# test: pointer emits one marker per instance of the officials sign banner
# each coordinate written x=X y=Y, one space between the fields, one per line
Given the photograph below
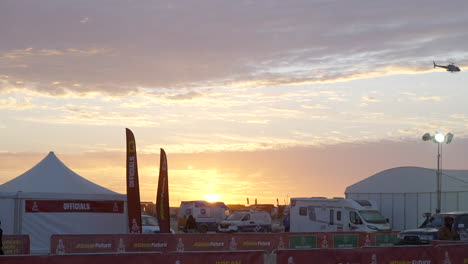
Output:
x=73 y=206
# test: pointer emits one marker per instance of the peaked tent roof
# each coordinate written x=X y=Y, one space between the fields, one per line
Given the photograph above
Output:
x=52 y=176
x=411 y=180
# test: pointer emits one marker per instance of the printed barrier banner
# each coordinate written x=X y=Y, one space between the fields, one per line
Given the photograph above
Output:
x=61 y=244
x=24 y=259
x=451 y=253
x=88 y=259
x=398 y=255
x=232 y=257
x=340 y=239
x=319 y=256
x=65 y=244
x=15 y=244
x=255 y=241
x=443 y=242
x=69 y=244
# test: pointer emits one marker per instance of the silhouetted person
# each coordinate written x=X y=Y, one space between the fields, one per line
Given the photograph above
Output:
x=191 y=224
x=286 y=223
x=1 y=243
x=446 y=231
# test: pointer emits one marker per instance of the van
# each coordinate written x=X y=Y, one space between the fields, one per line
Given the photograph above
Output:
x=207 y=215
x=320 y=214
x=150 y=224
x=246 y=221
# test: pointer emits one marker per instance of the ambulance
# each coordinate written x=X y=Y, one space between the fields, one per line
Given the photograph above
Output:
x=207 y=215
x=320 y=214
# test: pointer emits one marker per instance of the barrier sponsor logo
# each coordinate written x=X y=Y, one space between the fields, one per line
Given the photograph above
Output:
x=345 y=241
x=301 y=242
x=257 y=243
x=15 y=244
x=208 y=244
x=385 y=239
x=150 y=245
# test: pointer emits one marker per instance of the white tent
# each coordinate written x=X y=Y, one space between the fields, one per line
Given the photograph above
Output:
x=406 y=193
x=52 y=199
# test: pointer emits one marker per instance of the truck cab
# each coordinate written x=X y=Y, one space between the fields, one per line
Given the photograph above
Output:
x=429 y=229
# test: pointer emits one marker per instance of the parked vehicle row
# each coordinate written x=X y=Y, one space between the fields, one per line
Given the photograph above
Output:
x=319 y=214
x=315 y=214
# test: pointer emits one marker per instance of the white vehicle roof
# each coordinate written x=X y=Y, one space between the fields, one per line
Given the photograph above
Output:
x=201 y=203
x=341 y=202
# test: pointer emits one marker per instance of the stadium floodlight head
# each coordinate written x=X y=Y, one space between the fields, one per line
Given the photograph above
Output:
x=439 y=137
x=426 y=137
x=449 y=138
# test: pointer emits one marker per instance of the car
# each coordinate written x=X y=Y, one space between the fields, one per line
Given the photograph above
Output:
x=246 y=221
x=429 y=230
x=150 y=225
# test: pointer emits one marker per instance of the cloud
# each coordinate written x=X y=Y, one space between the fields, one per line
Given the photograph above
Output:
x=31 y=52
x=14 y=104
x=430 y=98
x=316 y=106
x=370 y=99
x=185 y=96
x=207 y=44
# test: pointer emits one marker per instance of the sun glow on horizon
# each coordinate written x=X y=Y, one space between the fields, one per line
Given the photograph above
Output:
x=212 y=197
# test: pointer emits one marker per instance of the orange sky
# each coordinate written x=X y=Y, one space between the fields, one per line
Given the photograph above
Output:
x=258 y=99
x=265 y=175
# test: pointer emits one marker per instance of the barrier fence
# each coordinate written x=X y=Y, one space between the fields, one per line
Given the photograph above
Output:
x=441 y=253
x=232 y=257
x=15 y=244
x=64 y=244
x=231 y=249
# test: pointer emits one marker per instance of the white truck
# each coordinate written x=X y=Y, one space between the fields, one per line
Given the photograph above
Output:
x=207 y=215
x=320 y=214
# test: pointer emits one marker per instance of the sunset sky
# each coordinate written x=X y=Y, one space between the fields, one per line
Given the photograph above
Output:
x=259 y=99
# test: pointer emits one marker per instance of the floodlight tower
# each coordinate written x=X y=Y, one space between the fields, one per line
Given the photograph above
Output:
x=438 y=138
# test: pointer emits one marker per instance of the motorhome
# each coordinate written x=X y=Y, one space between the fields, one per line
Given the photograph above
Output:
x=207 y=215
x=320 y=214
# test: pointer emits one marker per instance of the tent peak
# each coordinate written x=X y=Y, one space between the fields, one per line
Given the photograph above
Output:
x=51 y=175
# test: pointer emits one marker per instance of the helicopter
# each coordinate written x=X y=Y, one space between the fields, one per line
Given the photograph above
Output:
x=451 y=67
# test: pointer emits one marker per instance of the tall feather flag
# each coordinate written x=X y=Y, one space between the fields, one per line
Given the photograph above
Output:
x=133 y=188
x=162 y=196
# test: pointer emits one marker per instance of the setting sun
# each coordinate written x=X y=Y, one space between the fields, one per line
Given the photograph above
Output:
x=212 y=197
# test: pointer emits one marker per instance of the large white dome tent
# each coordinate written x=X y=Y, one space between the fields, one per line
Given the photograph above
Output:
x=406 y=193
x=52 y=199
